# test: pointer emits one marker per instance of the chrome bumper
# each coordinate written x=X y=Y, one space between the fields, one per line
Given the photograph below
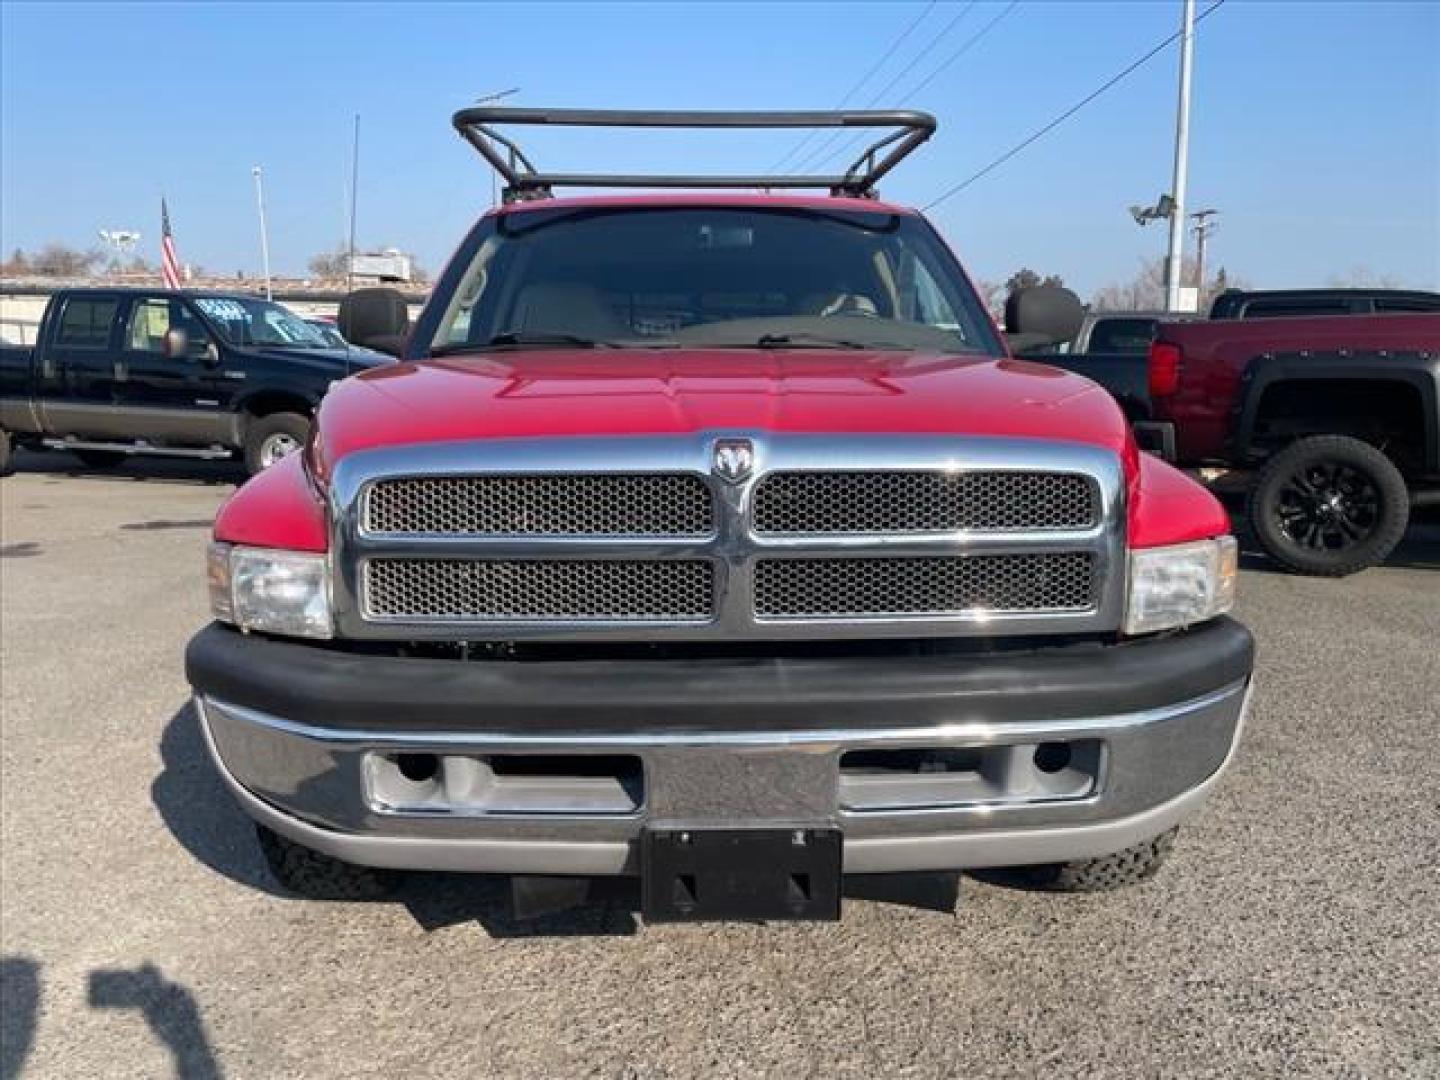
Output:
x=1131 y=776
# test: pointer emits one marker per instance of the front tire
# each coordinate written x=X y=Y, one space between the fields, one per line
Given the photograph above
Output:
x=1329 y=505
x=4 y=452
x=270 y=438
x=319 y=877
x=1128 y=867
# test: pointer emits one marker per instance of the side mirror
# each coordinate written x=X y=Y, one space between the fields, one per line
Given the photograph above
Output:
x=177 y=343
x=1041 y=316
x=389 y=344
x=210 y=355
x=375 y=318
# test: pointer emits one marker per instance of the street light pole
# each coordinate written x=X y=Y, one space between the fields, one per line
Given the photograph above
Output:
x=1182 y=155
x=264 y=232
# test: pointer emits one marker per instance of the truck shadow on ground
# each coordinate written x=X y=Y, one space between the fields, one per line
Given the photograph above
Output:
x=1419 y=550
x=198 y=810
x=137 y=468
x=203 y=818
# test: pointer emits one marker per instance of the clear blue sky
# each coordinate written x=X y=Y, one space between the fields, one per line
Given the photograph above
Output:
x=1316 y=125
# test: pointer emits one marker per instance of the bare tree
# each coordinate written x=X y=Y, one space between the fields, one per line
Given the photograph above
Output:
x=1146 y=290
x=329 y=265
x=58 y=260
x=992 y=295
x=1362 y=277
x=1025 y=278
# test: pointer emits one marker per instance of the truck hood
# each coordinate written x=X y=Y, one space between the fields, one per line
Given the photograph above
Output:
x=560 y=393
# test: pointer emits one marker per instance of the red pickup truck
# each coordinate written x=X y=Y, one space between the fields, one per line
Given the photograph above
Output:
x=715 y=539
x=1339 y=417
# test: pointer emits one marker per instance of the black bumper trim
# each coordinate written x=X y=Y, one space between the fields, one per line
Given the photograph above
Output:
x=330 y=689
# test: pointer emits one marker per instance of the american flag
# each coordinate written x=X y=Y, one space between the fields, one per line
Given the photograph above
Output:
x=169 y=263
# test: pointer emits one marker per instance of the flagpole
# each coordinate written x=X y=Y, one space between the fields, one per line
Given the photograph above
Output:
x=264 y=232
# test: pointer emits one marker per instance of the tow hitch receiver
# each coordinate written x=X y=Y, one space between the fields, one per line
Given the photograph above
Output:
x=697 y=874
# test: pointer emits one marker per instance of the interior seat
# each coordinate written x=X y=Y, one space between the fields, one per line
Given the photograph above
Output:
x=567 y=308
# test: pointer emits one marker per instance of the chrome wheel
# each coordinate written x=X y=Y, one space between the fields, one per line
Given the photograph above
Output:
x=277 y=446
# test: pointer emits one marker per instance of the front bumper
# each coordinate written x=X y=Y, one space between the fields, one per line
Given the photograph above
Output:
x=321 y=746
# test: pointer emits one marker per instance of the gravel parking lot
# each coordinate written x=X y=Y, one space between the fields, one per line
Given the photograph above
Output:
x=1295 y=932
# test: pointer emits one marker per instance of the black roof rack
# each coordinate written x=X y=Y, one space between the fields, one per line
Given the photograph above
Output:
x=524 y=181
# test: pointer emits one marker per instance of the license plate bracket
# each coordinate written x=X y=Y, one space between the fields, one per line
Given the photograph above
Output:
x=704 y=873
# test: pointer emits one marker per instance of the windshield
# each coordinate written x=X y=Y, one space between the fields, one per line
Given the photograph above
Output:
x=713 y=277
x=242 y=321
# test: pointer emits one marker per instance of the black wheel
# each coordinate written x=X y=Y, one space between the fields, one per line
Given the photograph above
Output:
x=270 y=438
x=4 y=452
x=1128 y=867
x=1329 y=505
x=99 y=459
x=319 y=877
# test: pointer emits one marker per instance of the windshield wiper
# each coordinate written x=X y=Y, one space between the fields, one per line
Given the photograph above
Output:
x=803 y=340
x=520 y=339
x=547 y=337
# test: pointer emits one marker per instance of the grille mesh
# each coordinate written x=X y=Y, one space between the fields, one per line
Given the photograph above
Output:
x=637 y=504
x=520 y=590
x=798 y=503
x=858 y=588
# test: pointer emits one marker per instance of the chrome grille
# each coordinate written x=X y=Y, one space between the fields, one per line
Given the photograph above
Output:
x=831 y=503
x=522 y=590
x=656 y=504
x=867 y=588
x=641 y=539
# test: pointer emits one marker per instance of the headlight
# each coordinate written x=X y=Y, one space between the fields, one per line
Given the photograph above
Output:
x=1179 y=585
x=280 y=592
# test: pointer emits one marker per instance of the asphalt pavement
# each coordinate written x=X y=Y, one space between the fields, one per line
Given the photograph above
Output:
x=1296 y=931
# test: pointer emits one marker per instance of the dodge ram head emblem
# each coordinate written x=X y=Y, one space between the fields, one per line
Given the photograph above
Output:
x=733 y=460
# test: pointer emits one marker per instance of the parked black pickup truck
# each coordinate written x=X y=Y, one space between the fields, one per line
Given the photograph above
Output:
x=125 y=371
x=1050 y=326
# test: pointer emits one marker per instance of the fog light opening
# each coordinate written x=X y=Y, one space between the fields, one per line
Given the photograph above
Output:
x=1052 y=757
x=417 y=768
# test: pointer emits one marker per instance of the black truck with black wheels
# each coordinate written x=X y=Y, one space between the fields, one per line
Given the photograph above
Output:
x=118 y=372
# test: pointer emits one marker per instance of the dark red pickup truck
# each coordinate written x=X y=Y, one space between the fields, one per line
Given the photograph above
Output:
x=1340 y=416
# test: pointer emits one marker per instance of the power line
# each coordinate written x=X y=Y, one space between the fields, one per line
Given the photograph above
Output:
x=854 y=89
x=1053 y=124
x=963 y=49
x=823 y=151
x=970 y=43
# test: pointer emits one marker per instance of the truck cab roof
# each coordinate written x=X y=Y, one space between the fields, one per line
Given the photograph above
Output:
x=1298 y=303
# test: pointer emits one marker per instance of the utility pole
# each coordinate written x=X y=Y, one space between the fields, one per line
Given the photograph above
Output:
x=1203 y=227
x=354 y=199
x=264 y=232
x=1182 y=156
